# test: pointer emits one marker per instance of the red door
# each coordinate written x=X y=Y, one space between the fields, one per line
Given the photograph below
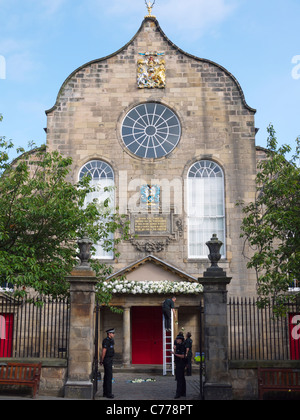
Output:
x=147 y=344
x=6 y=334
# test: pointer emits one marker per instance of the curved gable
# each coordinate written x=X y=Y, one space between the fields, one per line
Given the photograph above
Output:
x=209 y=77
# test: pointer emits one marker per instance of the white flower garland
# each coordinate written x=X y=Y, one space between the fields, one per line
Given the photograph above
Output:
x=150 y=287
x=6 y=289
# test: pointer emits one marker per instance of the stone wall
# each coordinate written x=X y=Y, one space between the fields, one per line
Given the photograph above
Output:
x=53 y=378
x=244 y=384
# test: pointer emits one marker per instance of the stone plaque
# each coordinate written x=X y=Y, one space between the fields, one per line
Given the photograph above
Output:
x=154 y=232
x=151 y=224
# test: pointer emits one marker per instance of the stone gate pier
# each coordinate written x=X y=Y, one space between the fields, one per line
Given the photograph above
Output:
x=81 y=336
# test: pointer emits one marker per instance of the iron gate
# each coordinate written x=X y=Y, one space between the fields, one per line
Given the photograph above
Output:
x=201 y=348
x=96 y=375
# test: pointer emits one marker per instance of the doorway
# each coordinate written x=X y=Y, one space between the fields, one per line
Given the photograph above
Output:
x=147 y=343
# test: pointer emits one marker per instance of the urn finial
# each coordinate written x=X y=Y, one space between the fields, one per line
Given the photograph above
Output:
x=84 y=250
x=214 y=246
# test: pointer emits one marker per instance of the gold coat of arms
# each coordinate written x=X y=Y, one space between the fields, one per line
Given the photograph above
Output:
x=151 y=71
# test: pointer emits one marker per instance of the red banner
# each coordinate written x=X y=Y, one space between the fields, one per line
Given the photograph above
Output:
x=294 y=331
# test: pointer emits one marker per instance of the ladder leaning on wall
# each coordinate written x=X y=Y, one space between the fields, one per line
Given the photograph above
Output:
x=168 y=342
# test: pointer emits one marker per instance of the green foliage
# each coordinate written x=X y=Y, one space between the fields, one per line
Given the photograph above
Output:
x=272 y=223
x=42 y=216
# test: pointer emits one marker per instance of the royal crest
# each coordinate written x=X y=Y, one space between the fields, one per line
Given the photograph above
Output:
x=150 y=195
x=151 y=71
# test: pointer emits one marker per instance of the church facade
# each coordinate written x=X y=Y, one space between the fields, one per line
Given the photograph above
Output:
x=174 y=135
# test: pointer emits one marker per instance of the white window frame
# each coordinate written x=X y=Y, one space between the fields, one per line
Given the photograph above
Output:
x=104 y=178
x=198 y=169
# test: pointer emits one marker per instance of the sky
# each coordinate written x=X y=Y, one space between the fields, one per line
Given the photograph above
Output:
x=43 y=41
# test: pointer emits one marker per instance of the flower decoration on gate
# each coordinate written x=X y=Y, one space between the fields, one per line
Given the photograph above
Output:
x=151 y=287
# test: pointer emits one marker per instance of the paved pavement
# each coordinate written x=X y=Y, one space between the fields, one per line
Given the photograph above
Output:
x=164 y=387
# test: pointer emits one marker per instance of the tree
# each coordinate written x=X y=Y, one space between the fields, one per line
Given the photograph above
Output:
x=42 y=216
x=272 y=223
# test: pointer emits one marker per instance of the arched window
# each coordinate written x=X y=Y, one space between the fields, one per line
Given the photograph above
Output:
x=102 y=176
x=206 y=209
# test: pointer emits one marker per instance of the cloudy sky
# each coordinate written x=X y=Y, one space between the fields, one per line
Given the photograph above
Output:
x=43 y=41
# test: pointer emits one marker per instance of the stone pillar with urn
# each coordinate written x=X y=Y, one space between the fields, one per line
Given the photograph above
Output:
x=81 y=335
x=215 y=281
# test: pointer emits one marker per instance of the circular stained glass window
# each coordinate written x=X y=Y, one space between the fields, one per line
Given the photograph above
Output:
x=151 y=131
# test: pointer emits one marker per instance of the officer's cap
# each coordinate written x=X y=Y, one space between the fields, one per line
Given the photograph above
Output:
x=111 y=330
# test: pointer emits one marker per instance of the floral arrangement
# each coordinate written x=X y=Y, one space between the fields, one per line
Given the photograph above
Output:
x=150 y=287
x=6 y=289
x=139 y=381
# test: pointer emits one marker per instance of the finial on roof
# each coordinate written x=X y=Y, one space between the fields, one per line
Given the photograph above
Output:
x=150 y=7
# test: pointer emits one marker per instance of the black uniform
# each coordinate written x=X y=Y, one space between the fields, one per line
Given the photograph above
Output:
x=188 y=344
x=167 y=306
x=108 y=344
x=179 y=372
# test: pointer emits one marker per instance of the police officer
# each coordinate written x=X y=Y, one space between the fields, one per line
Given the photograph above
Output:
x=188 y=345
x=106 y=360
x=180 y=362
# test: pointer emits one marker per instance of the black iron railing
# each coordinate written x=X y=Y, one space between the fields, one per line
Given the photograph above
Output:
x=35 y=328
x=257 y=334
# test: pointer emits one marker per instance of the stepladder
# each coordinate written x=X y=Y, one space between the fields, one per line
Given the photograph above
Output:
x=168 y=343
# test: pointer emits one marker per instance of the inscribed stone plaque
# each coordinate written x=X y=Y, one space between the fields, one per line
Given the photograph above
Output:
x=151 y=224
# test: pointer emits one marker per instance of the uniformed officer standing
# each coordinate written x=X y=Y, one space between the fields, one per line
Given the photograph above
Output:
x=106 y=359
x=180 y=362
x=188 y=345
